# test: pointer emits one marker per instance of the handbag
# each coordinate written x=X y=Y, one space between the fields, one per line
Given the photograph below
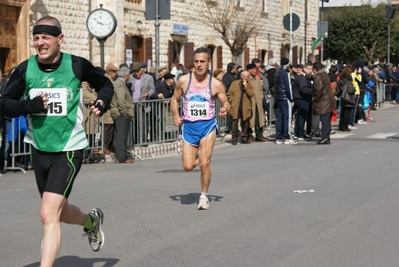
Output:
x=347 y=98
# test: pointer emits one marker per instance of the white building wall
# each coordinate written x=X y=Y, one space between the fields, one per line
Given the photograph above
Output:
x=73 y=13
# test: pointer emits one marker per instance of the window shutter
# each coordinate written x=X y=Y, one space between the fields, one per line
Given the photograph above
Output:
x=188 y=53
x=148 y=49
x=219 y=50
x=295 y=55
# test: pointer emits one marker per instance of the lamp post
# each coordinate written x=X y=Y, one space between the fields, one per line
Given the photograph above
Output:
x=322 y=29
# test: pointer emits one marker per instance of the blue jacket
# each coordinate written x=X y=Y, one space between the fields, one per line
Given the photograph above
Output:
x=302 y=88
x=282 y=86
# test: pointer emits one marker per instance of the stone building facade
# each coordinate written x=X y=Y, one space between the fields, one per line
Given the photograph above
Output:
x=135 y=36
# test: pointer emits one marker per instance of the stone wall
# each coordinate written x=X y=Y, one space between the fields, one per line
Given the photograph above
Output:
x=73 y=13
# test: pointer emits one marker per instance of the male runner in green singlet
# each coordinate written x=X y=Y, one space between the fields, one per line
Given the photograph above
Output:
x=50 y=83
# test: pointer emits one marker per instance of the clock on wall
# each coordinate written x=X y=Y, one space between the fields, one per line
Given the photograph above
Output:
x=101 y=23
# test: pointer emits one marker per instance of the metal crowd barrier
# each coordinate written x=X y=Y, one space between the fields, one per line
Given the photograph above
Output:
x=19 y=152
x=152 y=124
x=94 y=128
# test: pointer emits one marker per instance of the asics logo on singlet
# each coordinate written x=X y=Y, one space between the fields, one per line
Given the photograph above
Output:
x=53 y=95
x=47 y=79
x=198 y=105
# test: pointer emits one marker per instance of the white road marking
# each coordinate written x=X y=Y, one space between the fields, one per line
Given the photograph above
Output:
x=381 y=135
x=340 y=135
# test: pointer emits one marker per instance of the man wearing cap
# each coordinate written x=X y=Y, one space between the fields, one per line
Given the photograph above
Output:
x=122 y=114
x=111 y=71
x=142 y=83
x=257 y=121
x=108 y=145
x=163 y=90
x=284 y=102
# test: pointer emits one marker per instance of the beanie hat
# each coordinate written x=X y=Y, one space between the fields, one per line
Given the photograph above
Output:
x=251 y=66
x=284 y=62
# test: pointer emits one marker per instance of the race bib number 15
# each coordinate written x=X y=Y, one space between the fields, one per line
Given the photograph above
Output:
x=57 y=104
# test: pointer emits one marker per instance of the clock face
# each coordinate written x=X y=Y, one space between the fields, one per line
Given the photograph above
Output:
x=101 y=23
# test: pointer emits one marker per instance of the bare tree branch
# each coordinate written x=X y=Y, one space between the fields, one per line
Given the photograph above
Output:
x=234 y=24
x=370 y=52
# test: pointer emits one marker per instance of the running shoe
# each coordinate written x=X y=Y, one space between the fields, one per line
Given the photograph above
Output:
x=290 y=142
x=279 y=142
x=96 y=235
x=203 y=203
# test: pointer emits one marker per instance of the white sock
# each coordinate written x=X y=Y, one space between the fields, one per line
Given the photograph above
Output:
x=204 y=194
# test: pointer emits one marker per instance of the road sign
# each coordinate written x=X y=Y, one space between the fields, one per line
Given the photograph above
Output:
x=295 y=22
x=163 y=9
x=322 y=29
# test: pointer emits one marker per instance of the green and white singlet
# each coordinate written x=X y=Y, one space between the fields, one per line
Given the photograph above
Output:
x=61 y=128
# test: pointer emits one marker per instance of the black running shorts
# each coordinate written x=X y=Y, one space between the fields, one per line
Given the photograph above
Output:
x=56 y=171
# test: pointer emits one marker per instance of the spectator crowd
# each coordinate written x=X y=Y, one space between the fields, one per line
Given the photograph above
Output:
x=304 y=97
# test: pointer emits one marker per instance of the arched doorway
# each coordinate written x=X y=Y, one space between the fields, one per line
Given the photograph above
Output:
x=213 y=65
x=285 y=50
x=176 y=52
x=136 y=44
x=262 y=56
x=8 y=37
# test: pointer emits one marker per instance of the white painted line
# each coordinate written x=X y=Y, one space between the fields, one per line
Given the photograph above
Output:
x=381 y=135
x=340 y=135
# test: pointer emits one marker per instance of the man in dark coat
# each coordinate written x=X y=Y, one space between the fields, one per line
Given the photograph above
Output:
x=302 y=90
x=163 y=90
x=227 y=79
x=323 y=101
x=283 y=102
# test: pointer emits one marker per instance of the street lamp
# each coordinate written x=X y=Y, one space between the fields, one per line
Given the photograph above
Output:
x=322 y=29
x=373 y=3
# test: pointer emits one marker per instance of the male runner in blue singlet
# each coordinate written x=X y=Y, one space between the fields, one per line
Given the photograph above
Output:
x=199 y=126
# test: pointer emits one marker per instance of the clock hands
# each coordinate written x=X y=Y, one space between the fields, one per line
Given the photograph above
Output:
x=98 y=22
x=102 y=23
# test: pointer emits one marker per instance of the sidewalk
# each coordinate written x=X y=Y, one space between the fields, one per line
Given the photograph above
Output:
x=163 y=149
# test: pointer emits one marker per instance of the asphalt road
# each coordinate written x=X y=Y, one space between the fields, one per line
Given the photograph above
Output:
x=151 y=219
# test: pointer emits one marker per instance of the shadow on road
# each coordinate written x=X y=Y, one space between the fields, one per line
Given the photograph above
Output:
x=68 y=261
x=192 y=198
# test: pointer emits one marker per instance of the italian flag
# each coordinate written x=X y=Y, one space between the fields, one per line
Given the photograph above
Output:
x=317 y=45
